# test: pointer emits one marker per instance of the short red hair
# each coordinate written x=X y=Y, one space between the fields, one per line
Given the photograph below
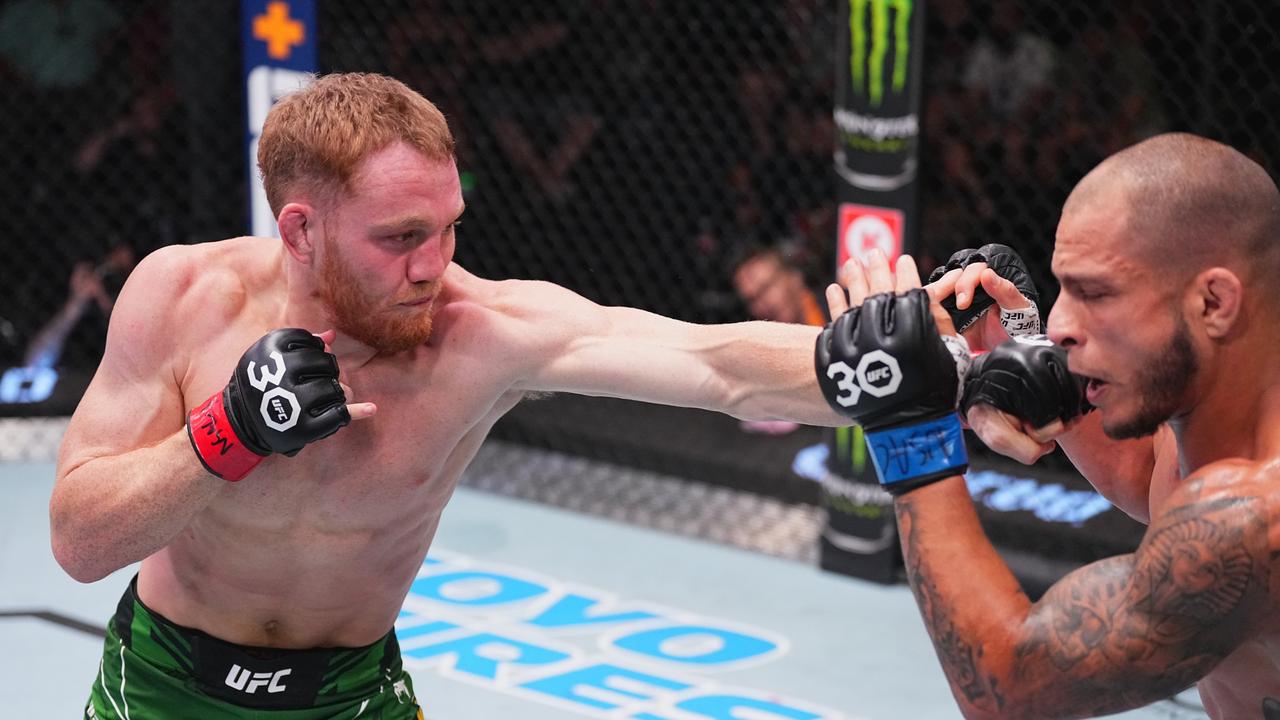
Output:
x=315 y=138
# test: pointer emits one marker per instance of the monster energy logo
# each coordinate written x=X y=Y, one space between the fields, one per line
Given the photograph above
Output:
x=867 y=65
x=851 y=447
x=854 y=497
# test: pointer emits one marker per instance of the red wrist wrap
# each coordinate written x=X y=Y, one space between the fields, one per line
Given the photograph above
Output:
x=216 y=444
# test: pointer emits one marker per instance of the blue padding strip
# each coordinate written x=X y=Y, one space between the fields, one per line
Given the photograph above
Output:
x=911 y=451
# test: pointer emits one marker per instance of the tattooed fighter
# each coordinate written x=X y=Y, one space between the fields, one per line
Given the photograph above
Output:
x=1166 y=253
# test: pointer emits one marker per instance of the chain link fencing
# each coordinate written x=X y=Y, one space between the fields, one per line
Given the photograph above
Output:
x=1023 y=98
x=632 y=150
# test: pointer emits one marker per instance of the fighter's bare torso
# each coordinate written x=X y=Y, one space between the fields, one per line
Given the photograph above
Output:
x=320 y=549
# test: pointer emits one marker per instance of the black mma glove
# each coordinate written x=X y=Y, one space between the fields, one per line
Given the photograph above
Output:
x=1026 y=377
x=1006 y=263
x=884 y=365
x=283 y=394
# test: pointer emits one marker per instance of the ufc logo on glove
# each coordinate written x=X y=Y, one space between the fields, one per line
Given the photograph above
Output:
x=884 y=365
x=877 y=375
x=273 y=411
x=283 y=394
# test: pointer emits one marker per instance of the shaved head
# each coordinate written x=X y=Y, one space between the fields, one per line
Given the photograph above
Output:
x=1191 y=203
x=1166 y=253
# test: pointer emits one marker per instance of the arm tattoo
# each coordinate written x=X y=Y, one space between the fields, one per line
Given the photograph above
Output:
x=960 y=656
x=1153 y=623
x=1118 y=633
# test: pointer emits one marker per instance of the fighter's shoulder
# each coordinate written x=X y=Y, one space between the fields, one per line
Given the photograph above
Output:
x=186 y=286
x=1230 y=514
x=1224 y=489
x=524 y=321
x=497 y=294
x=513 y=300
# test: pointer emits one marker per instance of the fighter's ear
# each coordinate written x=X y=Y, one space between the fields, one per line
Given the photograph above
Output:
x=299 y=228
x=1217 y=297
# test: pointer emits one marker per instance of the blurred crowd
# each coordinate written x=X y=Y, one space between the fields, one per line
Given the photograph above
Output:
x=88 y=156
x=656 y=153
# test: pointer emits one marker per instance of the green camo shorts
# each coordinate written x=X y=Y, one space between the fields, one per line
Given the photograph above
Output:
x=153 y=669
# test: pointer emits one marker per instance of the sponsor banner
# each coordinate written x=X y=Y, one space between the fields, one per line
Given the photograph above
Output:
x=585 y=651
x=878 y=98
x=39 y=390
x=278 y=41
x=877 y=120
x=864 y=228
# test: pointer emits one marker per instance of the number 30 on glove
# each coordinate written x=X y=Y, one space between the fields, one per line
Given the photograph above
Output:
x=283 y=394
x=884 y=365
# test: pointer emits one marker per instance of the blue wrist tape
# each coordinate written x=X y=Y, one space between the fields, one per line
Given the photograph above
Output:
x=929 y=450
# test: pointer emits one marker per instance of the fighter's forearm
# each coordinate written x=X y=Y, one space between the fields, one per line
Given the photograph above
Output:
x=971 y=603
x=1080 y=651
x=768 y=375
x=111 y=511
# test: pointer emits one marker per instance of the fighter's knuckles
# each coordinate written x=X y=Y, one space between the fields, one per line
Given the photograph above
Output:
x=1019 y=447
x=1046 y=433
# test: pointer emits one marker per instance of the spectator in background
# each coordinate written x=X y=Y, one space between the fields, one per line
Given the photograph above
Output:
x=810 y=27
x=783 y=86
x=784 y=49
x=757 y=42
x=136 y=128
x=51 y=55
x=69 y=69
x=952 y=30
x=959 y=209
x=740 y=219
x=988 y=139
x=771 y=288
x=12 y=348
x=800 y=183
x=90 y=287
x=51 y=60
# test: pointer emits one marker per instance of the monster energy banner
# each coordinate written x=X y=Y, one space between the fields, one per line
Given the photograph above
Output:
x=877 y=136
x=860 y=537
x=877 y=124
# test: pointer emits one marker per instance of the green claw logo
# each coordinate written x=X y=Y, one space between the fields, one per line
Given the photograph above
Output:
x=851 y=447
x=867 y=64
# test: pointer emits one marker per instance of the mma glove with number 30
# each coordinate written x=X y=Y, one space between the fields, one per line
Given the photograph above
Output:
x=283 y=394
x=884 y=365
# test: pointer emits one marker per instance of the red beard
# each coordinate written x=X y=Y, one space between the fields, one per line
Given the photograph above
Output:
x=385 y=327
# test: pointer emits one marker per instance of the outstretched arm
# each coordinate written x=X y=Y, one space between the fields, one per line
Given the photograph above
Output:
x=751 y=370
